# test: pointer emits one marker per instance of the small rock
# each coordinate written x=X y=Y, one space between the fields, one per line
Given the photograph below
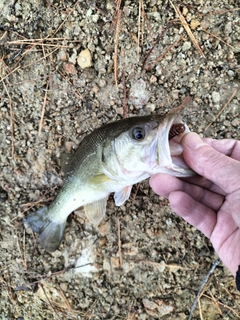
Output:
x=69 y=68
x=194 y=24
x=228 y=28
x=69 y=145
x=216 y=97
x=236 y=122
x=84 y=59
x=139 y=96
x=185 y=11
x=186 y=46
x=150 y=107
x=95 y=88
x=231 y=73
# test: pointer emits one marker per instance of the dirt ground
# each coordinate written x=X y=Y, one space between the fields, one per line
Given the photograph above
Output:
x=142 y=262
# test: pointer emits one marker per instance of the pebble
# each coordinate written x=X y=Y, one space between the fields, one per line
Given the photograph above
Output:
x=186 y=46
x=84 y=59
x=236 y=122
x=216 y=97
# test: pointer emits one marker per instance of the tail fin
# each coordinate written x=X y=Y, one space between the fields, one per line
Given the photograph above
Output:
x=51 y=232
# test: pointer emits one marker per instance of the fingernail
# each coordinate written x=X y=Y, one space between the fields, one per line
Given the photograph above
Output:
x=192 y=140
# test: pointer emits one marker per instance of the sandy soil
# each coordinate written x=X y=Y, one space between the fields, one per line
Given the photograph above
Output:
x=49 y=102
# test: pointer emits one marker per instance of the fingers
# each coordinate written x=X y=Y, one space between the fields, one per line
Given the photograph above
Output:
x=164 y=185
x=208 y=162
x=228 y=147
x=195 y=213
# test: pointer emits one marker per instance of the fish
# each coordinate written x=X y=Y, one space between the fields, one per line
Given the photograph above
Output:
x=111 y=159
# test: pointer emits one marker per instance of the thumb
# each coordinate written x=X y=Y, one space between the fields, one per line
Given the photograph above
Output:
x=211 y=164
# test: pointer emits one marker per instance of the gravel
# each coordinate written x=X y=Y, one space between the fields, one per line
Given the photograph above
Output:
x=49 y=102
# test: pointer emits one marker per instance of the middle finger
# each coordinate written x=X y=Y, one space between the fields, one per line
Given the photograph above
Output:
x=164 y=184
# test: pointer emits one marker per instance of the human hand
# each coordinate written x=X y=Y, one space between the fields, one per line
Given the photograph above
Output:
x=211 y=201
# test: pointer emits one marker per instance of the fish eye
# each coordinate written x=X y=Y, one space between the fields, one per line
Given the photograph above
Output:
x=138 y=133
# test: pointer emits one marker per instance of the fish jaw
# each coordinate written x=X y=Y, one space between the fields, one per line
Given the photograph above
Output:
x=169 y=152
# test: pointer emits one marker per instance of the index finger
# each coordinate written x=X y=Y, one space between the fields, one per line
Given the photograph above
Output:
x=210 y=163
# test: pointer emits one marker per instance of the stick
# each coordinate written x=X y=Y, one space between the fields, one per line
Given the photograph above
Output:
x=204 y=282
x=11 y=118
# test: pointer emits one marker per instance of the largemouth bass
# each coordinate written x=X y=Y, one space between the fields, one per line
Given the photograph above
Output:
x=111 y=159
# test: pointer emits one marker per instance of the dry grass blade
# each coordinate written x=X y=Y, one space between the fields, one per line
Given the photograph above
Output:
x=43 y=109
x=224 y=306
x=213 y=35
x=11 y=118
x=49 y=302
x=181 y=106
x=155 y=43
x=166 y=51
x=116 y=44
x=79 y=95
x=222 y=11
x=216 y=303
x=171 y=267
x=224 y=107
x=60 y=26
x=200 y=309
x=188 y=30
x=28 y=65
x=11 y=72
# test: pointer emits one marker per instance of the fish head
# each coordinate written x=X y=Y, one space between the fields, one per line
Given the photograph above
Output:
x=150 y=145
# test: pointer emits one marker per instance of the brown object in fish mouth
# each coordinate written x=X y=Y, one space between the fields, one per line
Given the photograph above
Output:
x=175 y=130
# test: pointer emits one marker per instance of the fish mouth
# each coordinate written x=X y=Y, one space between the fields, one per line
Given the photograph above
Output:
x=169 y=153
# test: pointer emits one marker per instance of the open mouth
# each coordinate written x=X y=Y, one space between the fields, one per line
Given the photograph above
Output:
x=170 y=156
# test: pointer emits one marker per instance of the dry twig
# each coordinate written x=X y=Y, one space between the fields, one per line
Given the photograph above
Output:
x=181 y=106
x=43 y=109
x=204 y=282
x=165 y=52
x=223 y=305
x=11 y=118
x=68 y=15
x=213 y=35
x=50 y=302
x=155 y=43
x=224 y=107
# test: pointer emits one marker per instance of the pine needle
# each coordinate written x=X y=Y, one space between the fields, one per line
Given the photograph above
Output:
x=187 y=28
x=43 y=109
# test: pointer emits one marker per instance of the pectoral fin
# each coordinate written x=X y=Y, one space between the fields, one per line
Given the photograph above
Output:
x=121 y=196
x=95 y=211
